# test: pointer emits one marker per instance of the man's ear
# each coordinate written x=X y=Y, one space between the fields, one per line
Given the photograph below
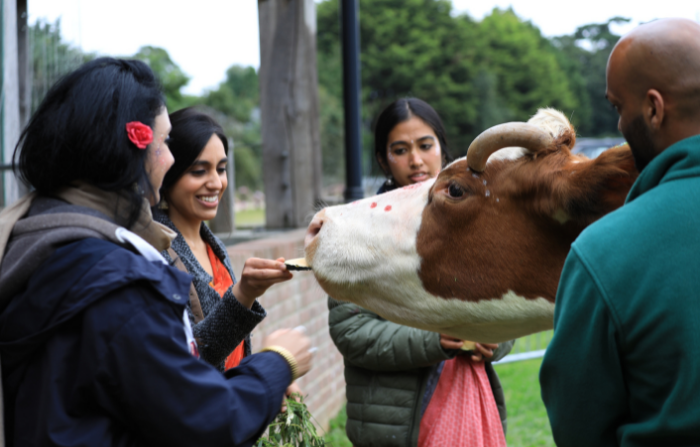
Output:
x=592 y=188
x=654 y=109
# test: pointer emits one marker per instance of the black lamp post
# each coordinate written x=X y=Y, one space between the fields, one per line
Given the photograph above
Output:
x=350 y=31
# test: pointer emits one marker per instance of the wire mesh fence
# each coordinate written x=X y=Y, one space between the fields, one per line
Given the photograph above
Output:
x=530 y=347
x=48 y=59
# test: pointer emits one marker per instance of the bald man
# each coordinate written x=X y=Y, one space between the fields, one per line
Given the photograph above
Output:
x=623 y=368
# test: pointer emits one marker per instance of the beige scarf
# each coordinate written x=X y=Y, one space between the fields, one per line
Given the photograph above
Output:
x=111 y=204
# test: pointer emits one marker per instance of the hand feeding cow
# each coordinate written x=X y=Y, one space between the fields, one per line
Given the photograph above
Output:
x=476 y=253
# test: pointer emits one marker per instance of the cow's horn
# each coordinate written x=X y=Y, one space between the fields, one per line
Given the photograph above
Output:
x=505 y=135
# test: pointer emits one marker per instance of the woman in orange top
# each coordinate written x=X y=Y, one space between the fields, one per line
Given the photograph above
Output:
x=225 y=311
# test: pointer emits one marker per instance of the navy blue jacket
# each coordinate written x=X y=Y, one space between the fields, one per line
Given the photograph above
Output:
x=94 y=353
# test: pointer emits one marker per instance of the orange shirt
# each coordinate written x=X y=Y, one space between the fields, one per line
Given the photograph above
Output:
x=221 y=283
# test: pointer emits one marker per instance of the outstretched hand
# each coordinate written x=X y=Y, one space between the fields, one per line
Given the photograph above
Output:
x=258 y=276
x=449 y=342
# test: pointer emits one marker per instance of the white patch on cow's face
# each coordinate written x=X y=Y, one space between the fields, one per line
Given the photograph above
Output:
x=372 y=239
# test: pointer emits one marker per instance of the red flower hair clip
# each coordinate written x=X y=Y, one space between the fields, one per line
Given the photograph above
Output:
x=139 y=134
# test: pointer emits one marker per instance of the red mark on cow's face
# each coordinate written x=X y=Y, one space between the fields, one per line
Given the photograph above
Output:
x=373 y=205
x=388 y=208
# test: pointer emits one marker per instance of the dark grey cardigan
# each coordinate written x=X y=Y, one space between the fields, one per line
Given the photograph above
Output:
x=226 y=321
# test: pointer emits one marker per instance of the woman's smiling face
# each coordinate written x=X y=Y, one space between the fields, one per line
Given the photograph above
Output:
x=196 y=195
x=413 y=152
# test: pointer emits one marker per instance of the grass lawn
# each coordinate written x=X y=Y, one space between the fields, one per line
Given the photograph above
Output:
x=528 y=425
x=250 y=218
x=336 y=432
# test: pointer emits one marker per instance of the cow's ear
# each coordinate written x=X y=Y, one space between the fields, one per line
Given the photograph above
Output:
x=588 y=189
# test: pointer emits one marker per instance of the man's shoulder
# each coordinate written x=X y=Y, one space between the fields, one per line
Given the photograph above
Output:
x=632 y=227
x=610 y=233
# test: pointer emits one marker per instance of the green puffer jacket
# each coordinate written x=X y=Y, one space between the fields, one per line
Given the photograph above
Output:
x=387 y=370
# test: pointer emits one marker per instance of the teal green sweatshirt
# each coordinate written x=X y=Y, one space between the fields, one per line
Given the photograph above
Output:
x=623 y=367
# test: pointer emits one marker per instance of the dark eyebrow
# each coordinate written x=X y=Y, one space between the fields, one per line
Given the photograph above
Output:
x=200 y=163
x=430 y=137
x=223 y=160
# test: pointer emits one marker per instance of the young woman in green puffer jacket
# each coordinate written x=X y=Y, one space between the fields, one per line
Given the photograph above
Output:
x=392 y=371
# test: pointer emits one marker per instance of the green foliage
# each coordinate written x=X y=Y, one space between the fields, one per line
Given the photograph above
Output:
x=586 y=53
x=332 y=122
x=292 y=427
x=238 y=95
x=475 y=74
x=169 y=74
x=525 y=65
x=237 y=102
x=336 y=436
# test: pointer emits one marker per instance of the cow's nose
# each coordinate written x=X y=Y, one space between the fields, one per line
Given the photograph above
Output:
x=314 y=227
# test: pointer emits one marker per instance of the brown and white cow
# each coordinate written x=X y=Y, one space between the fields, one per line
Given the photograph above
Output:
x=476 y=253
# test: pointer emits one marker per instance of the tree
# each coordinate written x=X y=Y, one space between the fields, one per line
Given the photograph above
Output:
x=237 y=99
x=169 y=74
x=587 y=51
x=525 y=66
x=238 y=95
x=475 y=74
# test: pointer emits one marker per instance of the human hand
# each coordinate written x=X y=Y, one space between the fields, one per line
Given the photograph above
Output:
x=259 y=275
x=449 y=342
x=291 y=389
x=483 y=351
x=296 y=343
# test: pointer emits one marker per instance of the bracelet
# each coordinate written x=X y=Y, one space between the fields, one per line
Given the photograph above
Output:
x=288 y=357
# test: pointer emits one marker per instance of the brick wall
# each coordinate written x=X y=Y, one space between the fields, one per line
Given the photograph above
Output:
x=300 y=301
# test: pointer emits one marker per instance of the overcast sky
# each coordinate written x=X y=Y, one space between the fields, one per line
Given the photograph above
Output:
x=207 y=38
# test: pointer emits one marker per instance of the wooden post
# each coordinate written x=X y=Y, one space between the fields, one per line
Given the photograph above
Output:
x=289 y=111
x=23 y=65
x=10 y=98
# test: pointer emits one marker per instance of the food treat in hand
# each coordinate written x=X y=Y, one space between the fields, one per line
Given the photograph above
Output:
x=297 y=264
x=468 y=346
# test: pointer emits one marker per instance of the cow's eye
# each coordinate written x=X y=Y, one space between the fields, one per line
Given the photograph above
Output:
x=454 y=190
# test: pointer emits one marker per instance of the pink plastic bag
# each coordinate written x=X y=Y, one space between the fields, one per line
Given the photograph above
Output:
x=462 y=411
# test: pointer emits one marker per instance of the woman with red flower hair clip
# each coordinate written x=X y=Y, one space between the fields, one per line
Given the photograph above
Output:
x=95 y=342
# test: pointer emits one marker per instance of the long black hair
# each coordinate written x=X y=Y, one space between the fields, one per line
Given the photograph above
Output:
x=191 y=132
x=402 y=110
x=79 y=131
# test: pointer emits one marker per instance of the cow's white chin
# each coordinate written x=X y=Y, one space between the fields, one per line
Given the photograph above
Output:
x=487 y=321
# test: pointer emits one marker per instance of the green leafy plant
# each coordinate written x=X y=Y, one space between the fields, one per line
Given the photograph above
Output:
x=292 y=427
